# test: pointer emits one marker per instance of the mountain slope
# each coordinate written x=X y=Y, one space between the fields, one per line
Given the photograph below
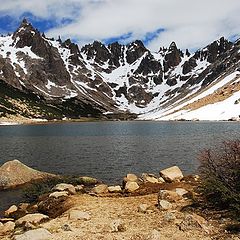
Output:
x=122 y=79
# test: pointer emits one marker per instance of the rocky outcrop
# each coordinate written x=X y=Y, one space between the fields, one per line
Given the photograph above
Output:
x=14 y=173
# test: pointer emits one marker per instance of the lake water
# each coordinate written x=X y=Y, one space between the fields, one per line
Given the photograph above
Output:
x=110 y=150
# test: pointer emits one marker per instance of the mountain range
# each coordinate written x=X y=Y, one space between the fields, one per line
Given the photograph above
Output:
x=44 y=78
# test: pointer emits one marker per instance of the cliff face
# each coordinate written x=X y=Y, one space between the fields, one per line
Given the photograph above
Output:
x=115 y=78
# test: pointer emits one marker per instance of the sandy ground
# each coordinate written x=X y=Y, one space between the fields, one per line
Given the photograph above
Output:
x=105 y=210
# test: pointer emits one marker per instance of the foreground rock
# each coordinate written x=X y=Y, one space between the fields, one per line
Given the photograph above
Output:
x=36 y=234
x=78 y=215
x=35 y=219
x=14 y=173
x=131 y=186
x=171 y=174
x=65 y=187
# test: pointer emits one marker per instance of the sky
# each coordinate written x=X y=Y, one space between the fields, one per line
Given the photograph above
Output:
x=191 y=24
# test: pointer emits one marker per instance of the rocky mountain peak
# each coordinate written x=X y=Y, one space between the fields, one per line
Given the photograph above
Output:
x=135 y=50
x=172 y=57
x=24 y=35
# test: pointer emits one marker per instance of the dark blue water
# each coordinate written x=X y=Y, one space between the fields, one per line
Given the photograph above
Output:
x=109 y=150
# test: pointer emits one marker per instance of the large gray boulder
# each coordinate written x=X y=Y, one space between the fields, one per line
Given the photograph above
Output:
x=172 y=174
x=14 y=173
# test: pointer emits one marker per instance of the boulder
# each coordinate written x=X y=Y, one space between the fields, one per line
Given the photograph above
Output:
x=164 y=205
x=171 y=174
x=130 y=178
x=35 y=218
x=14 y=173
x=149 y=178
x=131 y=186
x=10 y=210
x=114 y=189
x=169 y=196
x=59 y=194
x=36 y=234
x=65 y=187
x=75 y=214
x=100 y=189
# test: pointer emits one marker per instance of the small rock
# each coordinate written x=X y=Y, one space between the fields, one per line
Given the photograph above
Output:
x=181 y=191
x=65 y=187
x=149 y=178
x=169 y=196
x=78 y=215
x=164 y=205
x=169 y=217
x=131 y=186
x=114 y=189
x=193 y=221
x=10 y=210
x=171 y=174
x=34 y=218
x=130 y=178
x=143 y=208
x=154 y=235
x=79 y=188
x=1 y=224
x=100 y=189
x=161 y=180
x=36 y=234
x=4 y=220
x=88 y=180
x=118 y=226
x=59 y=194
x=23 y=207
x=66 y=227
x=7 y=227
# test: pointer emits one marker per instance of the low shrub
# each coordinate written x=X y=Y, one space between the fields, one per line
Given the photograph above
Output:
x=220 y=174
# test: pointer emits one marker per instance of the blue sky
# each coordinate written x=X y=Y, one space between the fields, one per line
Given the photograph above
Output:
x=191 y=24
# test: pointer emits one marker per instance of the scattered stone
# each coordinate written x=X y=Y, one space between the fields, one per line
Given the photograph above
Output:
x=88 y=180
x=169 y=217
x=14 y=173
x=161 y=180
x=196 y=178
x=131 y=186
x=1 y=224
x=23 y=207
x=154 y=235
x=143 y=208
x=36 y=234
x=118 y=226
x=114 y=189
x=171 y=174
x=169 y=196
x=164 y=205
x=65 y=187
x=35 y=218
x=59 y=194
x=66 y=227
x=10 y=210
x=7 y=227
x=100 y=189
x=193 y=221
x=130 y=178
x=151 y=178
x=181 y=191
x=78 y=215
x=79 y=188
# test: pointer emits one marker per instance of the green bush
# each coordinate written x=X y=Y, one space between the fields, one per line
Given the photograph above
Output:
x=220 y=174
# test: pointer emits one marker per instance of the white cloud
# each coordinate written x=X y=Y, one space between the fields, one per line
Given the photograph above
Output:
x=190 y=23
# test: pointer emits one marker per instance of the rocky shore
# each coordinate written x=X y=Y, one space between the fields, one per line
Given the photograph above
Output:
x=141 y=207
